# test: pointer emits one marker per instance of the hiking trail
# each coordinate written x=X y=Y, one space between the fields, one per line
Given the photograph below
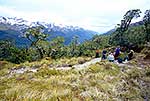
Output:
x=77 y=66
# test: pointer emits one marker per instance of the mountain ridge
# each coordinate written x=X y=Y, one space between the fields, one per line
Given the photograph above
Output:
x=131 y=25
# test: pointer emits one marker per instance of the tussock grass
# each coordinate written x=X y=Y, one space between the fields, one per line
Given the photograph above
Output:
x=102 y=81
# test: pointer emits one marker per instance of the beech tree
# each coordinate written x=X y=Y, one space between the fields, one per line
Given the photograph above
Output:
x=125 y=23
x=35 y=35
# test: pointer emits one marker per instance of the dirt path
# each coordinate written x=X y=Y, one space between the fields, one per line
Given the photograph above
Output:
x=81 y=66
x=77 y=66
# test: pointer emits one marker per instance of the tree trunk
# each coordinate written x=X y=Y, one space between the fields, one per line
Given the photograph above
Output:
x=40 y=52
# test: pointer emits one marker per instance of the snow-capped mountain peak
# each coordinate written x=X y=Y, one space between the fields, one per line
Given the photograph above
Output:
x=23 y=24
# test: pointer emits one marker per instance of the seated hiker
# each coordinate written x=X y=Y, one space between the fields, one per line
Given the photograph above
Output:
x=111 y=57
x=123 y=49
x=125 y=56
x=97 y=53
x=117 y=52
x=104 y=54
x=121 y=57
x=130 y=54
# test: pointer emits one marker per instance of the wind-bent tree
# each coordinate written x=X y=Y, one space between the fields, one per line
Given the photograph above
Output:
x=127 y=18
x=35 y=35
x=146 y=20
x=125 y=23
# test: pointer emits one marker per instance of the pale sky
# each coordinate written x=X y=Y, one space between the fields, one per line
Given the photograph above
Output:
x=96 y=15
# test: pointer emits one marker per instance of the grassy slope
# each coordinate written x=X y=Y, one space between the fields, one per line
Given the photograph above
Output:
x=101 y=81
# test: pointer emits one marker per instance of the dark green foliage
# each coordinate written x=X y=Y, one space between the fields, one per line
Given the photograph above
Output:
x=35 y=36
x=5 y=46
x=127 y=18
x=119 y=38
x=146 y=20
x=9 y=52
x=74 y=47
x=135 y=36
x=127 y=35
x=56 y=48
x=101 y=41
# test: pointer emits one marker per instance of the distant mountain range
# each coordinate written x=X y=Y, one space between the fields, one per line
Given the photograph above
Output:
x=13 y=28
x=109 y=32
